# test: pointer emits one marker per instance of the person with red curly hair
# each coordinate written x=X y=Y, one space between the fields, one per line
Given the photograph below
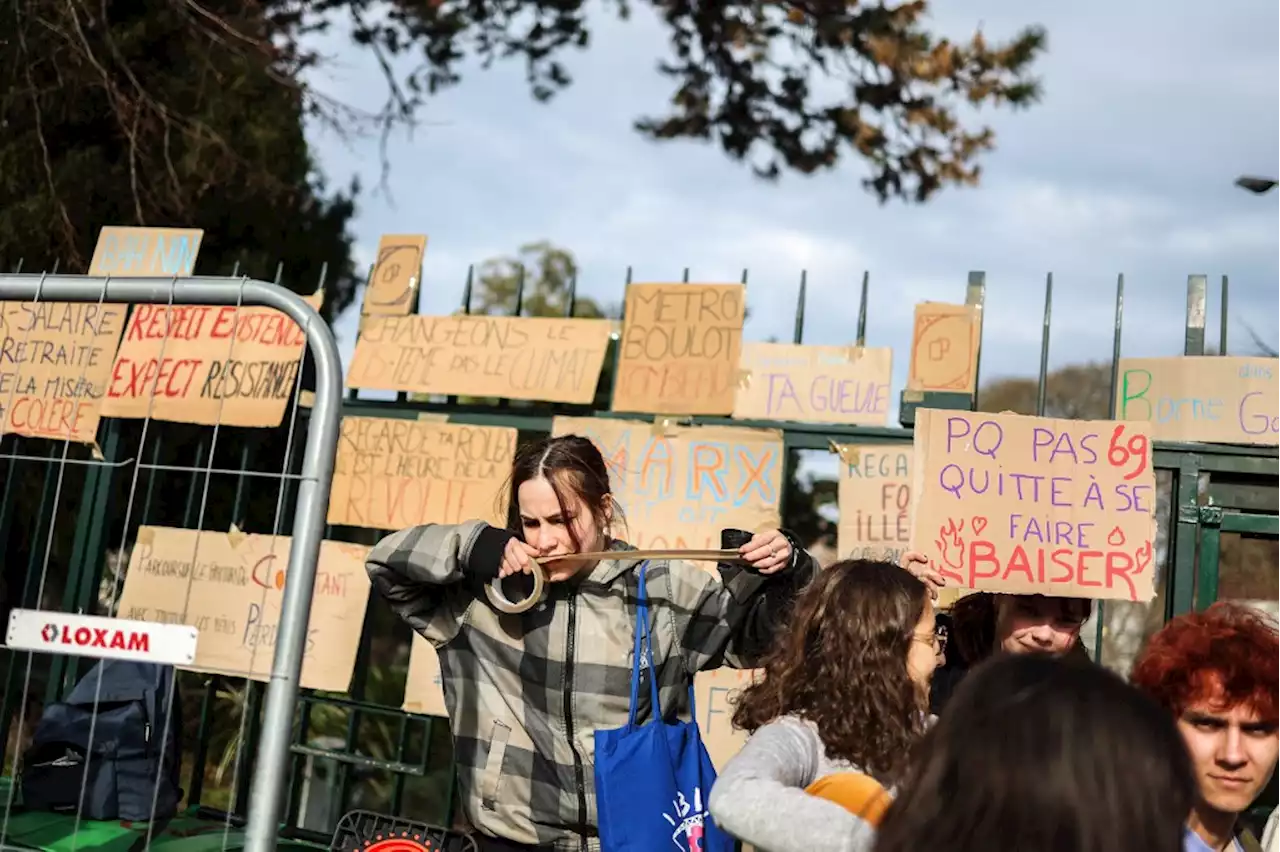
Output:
x=1218 y=673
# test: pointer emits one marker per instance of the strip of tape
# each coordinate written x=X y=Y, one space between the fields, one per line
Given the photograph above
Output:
x=663 y=426
x=848 y=453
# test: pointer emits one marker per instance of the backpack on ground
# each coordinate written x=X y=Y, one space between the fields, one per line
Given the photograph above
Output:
x=134 y=760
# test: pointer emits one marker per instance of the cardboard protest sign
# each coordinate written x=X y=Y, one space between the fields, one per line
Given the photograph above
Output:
x=393 y=283
x=56 y=357
x=392 y=473
x=680 y=348
x=1216 y=400
x=229 y=586
x=715 y=694
x=1035 y=505
x=146 y=252
x=207 y=364
x=679 y=487
x=536 y=358
x=55 y=362
x=875 y=501
x=814 y=384
x=423 y=690
x=944 y=348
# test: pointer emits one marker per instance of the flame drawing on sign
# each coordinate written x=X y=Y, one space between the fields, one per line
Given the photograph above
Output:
x=1142 y=556
x=951 y=534
x=1115 y=538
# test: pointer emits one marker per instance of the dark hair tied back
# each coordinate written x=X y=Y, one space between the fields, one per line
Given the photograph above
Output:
x=566 y=462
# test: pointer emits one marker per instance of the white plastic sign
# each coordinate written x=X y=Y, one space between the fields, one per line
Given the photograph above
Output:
x=97 y=636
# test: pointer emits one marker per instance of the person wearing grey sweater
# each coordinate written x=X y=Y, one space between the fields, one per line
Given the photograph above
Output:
x=761 y=795
x=845 y=690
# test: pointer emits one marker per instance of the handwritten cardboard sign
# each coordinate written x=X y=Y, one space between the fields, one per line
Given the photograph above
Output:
x=56 y=357
x=537 y=358
x=680 y=488
x=146 y=252
x=423 y=690
x=392 y=473
x=393 y=283
x=229 y=586
x=814 y=384
x=875 y=501
x=55 y=362
x=715 y=693
x=207 y=364
x=1036 y=505
x=944 y=348
x=1217 y=400
x=680 y=348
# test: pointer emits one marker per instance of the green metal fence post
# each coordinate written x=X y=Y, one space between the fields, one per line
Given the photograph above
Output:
x=1206 y=591
x=797 y=332
x=1042 y=380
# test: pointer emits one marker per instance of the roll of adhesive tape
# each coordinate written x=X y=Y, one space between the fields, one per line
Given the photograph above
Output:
x=500 y=602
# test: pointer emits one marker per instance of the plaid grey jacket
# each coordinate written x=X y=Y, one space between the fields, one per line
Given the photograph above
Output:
x=526 y=693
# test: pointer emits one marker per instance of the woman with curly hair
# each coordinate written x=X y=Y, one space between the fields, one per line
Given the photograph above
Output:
x=845 y=693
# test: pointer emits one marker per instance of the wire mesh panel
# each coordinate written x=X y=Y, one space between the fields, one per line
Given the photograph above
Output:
x=148 y=443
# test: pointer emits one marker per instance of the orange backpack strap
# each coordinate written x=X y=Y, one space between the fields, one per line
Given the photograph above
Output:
x=860 y=794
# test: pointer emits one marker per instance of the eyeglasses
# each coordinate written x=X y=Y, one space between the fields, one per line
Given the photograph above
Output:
x=937 y=639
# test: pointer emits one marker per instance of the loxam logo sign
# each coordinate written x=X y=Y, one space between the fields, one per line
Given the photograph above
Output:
x=98 y=637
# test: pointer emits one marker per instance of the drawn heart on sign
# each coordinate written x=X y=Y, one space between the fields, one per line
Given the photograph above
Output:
x=1116 y=537
x=979 y=524
x=1143 y=556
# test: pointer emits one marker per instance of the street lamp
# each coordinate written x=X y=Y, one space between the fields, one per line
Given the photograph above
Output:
x=1256 y=185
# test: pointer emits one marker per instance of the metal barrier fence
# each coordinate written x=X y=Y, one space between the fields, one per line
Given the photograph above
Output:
x=61 y=508
x=312 y=484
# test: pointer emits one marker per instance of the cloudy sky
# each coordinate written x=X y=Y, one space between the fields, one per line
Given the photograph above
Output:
x=1150 y=111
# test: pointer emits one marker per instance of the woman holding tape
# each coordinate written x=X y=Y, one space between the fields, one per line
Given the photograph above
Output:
x=526 y=692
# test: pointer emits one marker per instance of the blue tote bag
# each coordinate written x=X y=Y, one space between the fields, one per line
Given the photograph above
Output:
x=653 y=780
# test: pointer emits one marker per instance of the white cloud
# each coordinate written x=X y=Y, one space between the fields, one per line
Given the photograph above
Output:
x=1150 y=111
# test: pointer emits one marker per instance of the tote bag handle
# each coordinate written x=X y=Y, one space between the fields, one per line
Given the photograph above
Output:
x=644 y=646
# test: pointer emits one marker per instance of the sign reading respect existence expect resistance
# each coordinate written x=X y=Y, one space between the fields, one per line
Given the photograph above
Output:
x=207 y=364
x=1036 y=505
